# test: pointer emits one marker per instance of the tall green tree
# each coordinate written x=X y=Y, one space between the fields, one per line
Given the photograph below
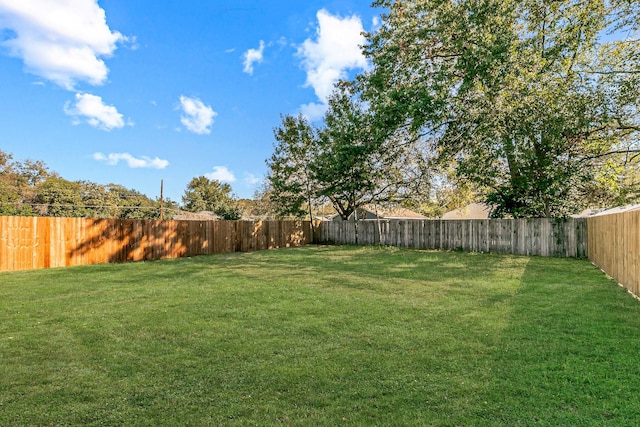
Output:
x=528 y=97
x=204 y=194
x=293 y=189
x=351 y=160
x=359 y=162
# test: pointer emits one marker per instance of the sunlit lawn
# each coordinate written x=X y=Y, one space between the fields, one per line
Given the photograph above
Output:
x=320 y=336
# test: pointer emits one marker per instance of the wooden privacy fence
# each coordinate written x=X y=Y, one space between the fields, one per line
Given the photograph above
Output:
x=38 y=242
x=547 y=237
x=614 y=246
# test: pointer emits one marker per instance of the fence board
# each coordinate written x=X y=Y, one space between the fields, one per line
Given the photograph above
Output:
x=571 y=237
x=614 y=246
x=515 y=236
x=30 y=242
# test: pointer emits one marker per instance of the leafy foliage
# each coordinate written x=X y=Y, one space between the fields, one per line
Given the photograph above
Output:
x=204 y=194
x=261 y=205
x=59 y=197
x=526 y=96
x=291 y=180
x=17 y=183
x=348 y=160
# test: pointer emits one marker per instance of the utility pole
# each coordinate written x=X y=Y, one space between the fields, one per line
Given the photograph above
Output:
x=161 y=187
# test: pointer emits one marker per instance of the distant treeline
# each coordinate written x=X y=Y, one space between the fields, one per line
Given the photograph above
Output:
x=29 y=188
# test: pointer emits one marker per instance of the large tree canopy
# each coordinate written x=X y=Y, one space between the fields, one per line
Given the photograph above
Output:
x=535 y=100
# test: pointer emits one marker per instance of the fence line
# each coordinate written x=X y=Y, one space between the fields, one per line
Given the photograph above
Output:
x=43 y=242
x=612 y=242
x=614 y=246
x=541 y=236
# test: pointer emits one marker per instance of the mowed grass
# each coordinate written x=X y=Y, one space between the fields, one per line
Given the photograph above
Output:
x=320 y=336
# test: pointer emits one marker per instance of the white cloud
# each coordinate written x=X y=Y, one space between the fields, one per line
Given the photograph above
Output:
x=335 y=51
x=197 y=116
x=222 y=174
x=313 y=111
x=252 y=56
x=143 y=162
x=251 y=180
x=62 y=41
x=95 y=112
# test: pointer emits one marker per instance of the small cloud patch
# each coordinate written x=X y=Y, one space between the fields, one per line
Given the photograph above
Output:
x=197 y=117
x=222 y=174
x=143 y=162
x=92 y=110
x=253 y=56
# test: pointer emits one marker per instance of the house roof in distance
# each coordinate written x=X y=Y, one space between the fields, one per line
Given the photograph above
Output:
x=471 y=211
x=393 y=212
x=196 y=216
x=385 y=212
x=618 y=209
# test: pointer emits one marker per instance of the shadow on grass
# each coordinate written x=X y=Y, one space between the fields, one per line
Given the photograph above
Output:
x=375 y=262
x=569 y=355
x=321 y=336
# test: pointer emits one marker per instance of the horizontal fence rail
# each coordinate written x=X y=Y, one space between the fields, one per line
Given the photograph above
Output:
x=541 y=236
x=614 y=246
x=38 y=242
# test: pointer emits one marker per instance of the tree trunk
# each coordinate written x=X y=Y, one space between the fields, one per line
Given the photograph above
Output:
x=356 y=220
x=379 y=225
x=313 y=229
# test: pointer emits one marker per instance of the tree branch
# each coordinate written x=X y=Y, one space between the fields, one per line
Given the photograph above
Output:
x=611 y=153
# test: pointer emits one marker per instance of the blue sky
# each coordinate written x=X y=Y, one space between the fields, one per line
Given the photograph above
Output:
x=135 y=92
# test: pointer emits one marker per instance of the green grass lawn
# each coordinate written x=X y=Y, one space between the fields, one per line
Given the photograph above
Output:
x=320 y=336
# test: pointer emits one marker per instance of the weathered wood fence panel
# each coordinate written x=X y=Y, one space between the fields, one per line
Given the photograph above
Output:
x=547 y=237
x=30 y=243
x=614 y=246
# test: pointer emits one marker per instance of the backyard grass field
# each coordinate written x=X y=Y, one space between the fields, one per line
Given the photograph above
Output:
x=320 y=336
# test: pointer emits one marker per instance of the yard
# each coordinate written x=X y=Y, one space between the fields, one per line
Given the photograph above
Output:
x=320 y=336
